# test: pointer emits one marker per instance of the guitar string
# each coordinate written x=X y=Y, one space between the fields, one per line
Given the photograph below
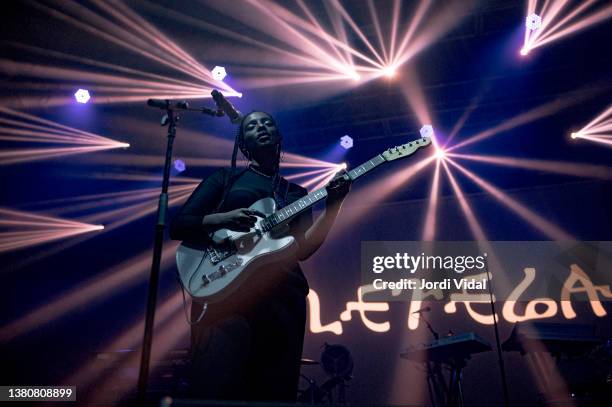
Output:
x=205 y=305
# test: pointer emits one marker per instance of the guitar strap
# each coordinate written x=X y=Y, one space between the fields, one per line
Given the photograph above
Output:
x=228 y=182
x=280 y=193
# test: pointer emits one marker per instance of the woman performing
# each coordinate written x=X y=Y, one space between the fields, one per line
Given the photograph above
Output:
x=249 y=346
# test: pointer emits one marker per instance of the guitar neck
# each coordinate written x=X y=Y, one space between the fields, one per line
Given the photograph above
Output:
x=288 y=212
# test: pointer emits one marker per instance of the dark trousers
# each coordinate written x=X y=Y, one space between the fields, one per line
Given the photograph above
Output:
x=249 y=349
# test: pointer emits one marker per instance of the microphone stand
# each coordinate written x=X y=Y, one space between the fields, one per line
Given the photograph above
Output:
x=170 y=119
x=433 y=332
x=435 y=380
x=500 y=359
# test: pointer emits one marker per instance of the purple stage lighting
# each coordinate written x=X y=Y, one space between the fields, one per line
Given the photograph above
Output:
x=179 y=165
x=218 y=73
x=82 y=96
x=426 y=130
x=346 y=141
x=533 y=22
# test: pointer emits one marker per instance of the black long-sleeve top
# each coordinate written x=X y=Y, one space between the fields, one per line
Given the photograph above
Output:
x=248 y=188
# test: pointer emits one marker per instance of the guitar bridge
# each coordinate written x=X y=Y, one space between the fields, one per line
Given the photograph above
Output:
x=221 y=271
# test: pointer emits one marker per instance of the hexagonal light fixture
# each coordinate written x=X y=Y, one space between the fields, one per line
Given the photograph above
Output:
x=533 y=22
x=218 y=73
x=179 y=165
x=426 y=130
x=82 y=96
x=346 y=141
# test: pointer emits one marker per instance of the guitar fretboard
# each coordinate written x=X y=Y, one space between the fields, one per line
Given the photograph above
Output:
x=302 y=204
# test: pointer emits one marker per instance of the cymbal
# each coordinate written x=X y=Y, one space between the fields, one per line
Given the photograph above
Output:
x=307 y=362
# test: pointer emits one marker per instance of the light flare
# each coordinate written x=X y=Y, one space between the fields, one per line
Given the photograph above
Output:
x=533 y=114
x=598 y=130
x=122 y=27
x=323 y=50
x=30 y=229
x=558 y=21
x=26 y=128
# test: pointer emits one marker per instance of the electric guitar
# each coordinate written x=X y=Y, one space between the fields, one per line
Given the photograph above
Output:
x=214 y=272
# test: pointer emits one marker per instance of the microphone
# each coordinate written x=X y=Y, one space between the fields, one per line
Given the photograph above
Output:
x=167 y=104
x=223 y=104
x=426 y=309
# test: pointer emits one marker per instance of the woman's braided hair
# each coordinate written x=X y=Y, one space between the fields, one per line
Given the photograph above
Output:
x=240 y=144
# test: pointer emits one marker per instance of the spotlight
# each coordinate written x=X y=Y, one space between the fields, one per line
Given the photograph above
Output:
x=82 y=96
x=389 y=71
x=440 y=154
x=524 y=51
x=354 y=76
x=179 y=165
x=218 y=73
x=98 y=227
x=533 y=22
x=427 y=131
x=574 y=135
x=342 y=166
x=346 y=141
x=123 y=145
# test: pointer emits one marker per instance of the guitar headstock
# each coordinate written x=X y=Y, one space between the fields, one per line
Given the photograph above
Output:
x=406 y=150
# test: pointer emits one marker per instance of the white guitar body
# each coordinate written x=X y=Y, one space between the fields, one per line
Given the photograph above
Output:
x=213 y=273
x=211 y=278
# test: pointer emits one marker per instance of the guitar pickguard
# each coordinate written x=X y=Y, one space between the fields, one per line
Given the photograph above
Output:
x=219 y=252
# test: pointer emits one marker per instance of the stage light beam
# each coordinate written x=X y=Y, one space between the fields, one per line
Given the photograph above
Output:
x=598 y=130
x=30 y=229
x=24 y=127
x=540 y=223
x=555 y=21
